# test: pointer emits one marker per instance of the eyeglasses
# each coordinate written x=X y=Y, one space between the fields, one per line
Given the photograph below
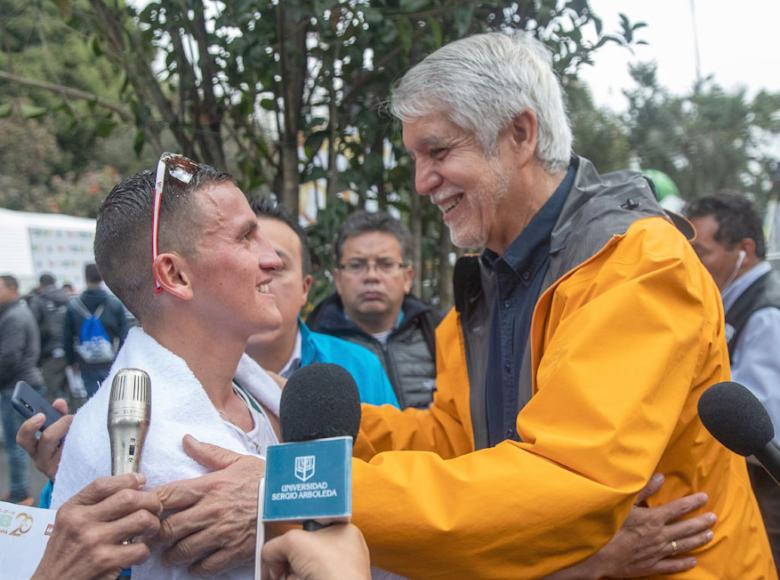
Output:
x=382 y=266
x=181 y=169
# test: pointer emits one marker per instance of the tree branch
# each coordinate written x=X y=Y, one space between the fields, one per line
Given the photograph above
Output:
x=69 y=92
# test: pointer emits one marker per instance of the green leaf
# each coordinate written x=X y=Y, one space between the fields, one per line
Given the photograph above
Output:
x=95 y=46
x=435 y=31
x=33 y=112
x=5 y=110
x=138 y=142
x=404 y=28
x=105 y=127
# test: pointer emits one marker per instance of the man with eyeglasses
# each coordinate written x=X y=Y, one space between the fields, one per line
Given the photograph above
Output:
x=373 y=306
x=183 y=252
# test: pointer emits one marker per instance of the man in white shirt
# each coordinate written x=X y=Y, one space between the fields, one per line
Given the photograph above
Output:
x=730 y=243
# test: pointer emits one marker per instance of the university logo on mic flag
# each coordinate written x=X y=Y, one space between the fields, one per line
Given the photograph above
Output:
x=304 y=467
x=310 y=480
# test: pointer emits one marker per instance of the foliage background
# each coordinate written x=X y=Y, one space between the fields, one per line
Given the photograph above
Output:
x=289 y=95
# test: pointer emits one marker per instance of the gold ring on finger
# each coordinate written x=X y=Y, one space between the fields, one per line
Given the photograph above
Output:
x=675 y=547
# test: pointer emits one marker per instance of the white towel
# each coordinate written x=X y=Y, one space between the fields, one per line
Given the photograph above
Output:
x=180 y=406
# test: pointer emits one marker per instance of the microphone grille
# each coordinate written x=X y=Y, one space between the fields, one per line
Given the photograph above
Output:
x=736 y=418
x=131 y=385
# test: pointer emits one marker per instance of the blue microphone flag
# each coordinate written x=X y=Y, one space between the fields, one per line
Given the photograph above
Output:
x=310 y=480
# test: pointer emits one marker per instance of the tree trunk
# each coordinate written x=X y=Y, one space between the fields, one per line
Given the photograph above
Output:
x=331 y=190
x=292 y=27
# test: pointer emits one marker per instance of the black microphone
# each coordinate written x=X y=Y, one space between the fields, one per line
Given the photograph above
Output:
x=736 y=418
x=308 y=478
x=319 y=401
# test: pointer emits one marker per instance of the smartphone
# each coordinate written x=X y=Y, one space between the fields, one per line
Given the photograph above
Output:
x=29 y=402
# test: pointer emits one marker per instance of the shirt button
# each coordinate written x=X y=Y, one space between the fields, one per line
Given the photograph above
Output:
x=507 y=367
x=526 y=275
x=509 y=433
x=507 y=304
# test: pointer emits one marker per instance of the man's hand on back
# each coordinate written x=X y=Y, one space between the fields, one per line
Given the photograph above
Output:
x=213 y=524
x=652 y=540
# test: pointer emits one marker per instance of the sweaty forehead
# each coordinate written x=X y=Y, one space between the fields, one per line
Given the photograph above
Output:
x=223 y=204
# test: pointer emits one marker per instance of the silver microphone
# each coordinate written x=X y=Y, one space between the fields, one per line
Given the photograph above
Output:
x=129 y=413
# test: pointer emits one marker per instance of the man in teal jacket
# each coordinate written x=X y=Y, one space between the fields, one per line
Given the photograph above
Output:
x=294 y=345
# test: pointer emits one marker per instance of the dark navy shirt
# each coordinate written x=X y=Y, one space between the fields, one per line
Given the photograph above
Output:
x=519 y=275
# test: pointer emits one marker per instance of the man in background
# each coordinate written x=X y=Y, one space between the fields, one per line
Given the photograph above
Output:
x=19 y=352
x=48 y=304
x=85 y=316
x=291 y=346
x=730 y=242
x=372 y=305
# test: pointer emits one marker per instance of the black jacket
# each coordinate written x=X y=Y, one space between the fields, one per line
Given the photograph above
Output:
x=48 y=306
x=409 y=357
x=20 y=346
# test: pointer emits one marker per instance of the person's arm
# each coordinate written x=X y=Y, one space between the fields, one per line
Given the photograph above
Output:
x=444 y=428
x=46 y=450
x=336 y=552
x=756 y=363
x=90 y=530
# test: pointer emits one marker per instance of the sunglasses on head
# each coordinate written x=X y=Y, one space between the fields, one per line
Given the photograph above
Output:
x=179 y=168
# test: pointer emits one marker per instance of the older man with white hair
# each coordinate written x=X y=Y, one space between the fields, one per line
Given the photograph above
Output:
x=568 y=371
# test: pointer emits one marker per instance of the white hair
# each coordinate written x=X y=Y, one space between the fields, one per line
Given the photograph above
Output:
x=482 y=82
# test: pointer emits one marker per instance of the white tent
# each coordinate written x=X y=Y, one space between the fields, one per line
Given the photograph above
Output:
x=35 y=243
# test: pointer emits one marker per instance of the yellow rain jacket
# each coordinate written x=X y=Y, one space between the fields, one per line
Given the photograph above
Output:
x=622 y=347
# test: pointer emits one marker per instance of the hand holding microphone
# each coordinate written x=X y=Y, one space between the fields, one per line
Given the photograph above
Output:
x=309 y=476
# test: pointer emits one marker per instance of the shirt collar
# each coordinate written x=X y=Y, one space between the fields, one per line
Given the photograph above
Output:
x=733 y=291
x=295 y=360
x=539 y=229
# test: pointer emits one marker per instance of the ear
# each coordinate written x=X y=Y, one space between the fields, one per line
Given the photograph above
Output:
x=523 y=136
x=172 y=271
x=749 y=247
x=408 y=278
x=337 y=279
x=307 y=281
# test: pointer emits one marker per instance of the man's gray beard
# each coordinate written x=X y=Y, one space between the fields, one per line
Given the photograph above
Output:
x=499 y=193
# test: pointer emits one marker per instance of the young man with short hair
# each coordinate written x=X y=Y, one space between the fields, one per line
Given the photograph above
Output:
x=184 y=253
